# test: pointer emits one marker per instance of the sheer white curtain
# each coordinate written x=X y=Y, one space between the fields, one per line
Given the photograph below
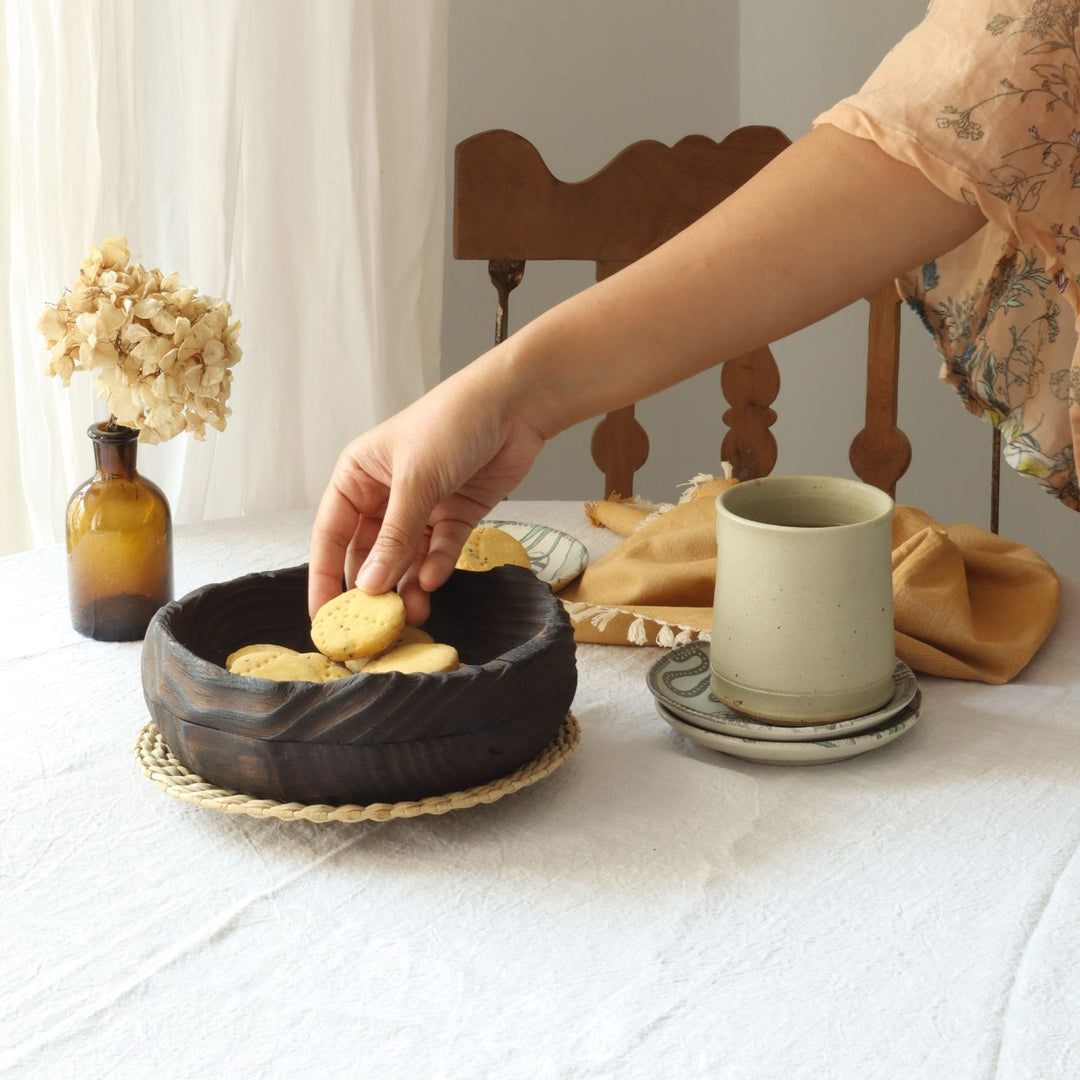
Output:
x=285 y=154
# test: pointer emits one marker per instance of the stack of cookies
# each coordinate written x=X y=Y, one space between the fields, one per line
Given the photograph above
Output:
x=355 y=632
x=359 y=632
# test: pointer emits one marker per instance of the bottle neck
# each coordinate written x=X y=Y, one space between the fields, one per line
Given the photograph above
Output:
x=114 y=451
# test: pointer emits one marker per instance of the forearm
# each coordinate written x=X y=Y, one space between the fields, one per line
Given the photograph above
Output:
x=831 y=219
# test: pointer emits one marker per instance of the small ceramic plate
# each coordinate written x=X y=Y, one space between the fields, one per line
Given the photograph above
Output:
x=556 y=557
x=680 y=681
x=799 y=753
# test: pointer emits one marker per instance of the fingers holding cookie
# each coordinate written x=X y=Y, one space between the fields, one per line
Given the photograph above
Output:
x=347 y=524
x=413 y=594
x=448 y=537
x=367 y=530
x=351 y=631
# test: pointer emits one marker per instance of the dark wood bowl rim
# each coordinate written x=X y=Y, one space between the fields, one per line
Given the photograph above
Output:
x=198 y=668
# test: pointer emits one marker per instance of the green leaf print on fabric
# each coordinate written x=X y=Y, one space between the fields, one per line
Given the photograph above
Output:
x=984 y=100
x=999 y=384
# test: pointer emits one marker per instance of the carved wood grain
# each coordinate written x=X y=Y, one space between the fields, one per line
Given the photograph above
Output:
x=364 y=738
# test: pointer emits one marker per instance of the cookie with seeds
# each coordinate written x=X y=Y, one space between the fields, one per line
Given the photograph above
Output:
x=488 y=547
x=357 y=624
x=289 y=666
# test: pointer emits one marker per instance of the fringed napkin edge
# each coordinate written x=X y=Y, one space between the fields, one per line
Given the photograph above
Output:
x=669 y=634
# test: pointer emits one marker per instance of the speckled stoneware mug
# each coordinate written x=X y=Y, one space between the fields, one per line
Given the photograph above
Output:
x=802 y=627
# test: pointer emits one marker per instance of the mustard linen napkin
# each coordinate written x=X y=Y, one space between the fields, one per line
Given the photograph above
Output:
x=968 y=604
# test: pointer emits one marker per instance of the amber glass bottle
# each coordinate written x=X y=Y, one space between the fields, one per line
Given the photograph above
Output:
x=119 y=542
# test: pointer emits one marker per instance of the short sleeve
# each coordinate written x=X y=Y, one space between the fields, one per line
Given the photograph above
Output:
x=983 y=98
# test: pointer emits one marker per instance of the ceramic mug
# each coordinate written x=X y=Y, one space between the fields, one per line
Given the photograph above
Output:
x=802 y=628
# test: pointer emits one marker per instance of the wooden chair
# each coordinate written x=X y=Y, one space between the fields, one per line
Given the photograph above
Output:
x=508 y=209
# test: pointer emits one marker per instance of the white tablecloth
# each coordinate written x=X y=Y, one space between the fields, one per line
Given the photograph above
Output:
x=651 y=910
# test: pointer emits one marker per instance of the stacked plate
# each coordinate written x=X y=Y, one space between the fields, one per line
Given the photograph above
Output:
x=679 y=681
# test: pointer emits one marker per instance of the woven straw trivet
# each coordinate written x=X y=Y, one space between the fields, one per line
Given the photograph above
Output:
x=165 y=770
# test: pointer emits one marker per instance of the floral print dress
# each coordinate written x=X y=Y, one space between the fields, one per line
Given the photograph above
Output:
x=983 y=97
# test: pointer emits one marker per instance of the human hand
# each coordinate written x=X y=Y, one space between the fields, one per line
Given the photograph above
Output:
x=404 y=496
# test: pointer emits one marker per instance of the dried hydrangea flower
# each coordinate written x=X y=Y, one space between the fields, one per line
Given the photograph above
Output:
x=162 y=353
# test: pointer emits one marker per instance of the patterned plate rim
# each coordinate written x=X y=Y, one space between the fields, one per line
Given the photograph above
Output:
x=575 y=544
x=819 y=751
x=729 y=722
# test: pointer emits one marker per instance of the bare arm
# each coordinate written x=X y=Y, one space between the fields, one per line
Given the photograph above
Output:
x=829 y=220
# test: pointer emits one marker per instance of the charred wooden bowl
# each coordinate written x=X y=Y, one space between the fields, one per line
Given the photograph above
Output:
x=366 y=738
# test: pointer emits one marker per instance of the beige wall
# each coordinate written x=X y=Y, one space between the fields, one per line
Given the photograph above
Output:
x=581 y=79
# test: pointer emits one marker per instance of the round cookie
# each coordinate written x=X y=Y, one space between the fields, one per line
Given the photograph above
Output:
x=488 y=547
x=411 y=635
x=420 y=657
x=288 y=666
x=357 y=624
x=249 y=650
